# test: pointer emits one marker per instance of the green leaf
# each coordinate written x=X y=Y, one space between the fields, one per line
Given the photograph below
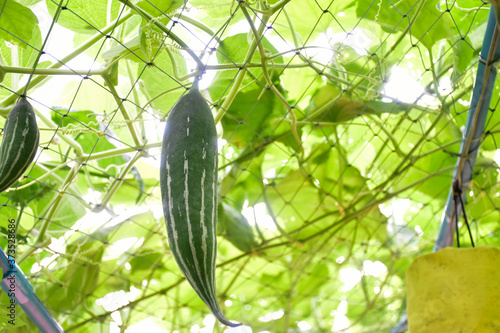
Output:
x=321 y=12
x=214 y=8
x=430 y=25
x=463 y=54
x=244 y=180
x=330 y=168
x=20 y=54
x=18 y=23
x=131 y=49
x=233 y=50
x=146 y=259
x=344 y=108
x=159 y=79
x=63 y=117
x=38 y=198
x=84 y=16
x=160 y=8
x=248 y=117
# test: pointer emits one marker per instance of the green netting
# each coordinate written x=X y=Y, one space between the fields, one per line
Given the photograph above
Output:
x=340 y=123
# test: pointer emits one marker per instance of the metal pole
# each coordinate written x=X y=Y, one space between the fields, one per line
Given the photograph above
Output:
x=474 y=129
x=18 y=288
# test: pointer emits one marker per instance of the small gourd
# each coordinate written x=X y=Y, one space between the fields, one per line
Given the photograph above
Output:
x=19 y=143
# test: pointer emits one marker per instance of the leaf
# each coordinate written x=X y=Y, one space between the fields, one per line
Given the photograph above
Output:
x=39 y=197
x=214 y=8
x=91 y=143
x=430 y=26
x=159 y=79
x=69 y=211
x=160 y=8
x=131 y=49
x=247 y=117
x=320 y=14
x=244 y=180
x=63 y=117
x=294 y=200
x=82 y=274
x=23 y=53
x=85 y=16
x=146 y=259
x=233 y=50
x=345 y=108
x=314 y=280
x=463 y=54
x=18 y=23
x=330 y=168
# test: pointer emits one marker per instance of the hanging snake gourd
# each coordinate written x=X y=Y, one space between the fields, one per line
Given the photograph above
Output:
x=188 y=182
x=19 y=143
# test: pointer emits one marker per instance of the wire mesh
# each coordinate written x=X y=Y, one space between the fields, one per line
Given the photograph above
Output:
x=340 y=124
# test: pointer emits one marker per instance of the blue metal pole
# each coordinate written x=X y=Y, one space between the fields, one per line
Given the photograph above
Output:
x=476 y=119
x=18 y=288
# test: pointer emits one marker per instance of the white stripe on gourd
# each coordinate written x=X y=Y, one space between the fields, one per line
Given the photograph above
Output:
x=188 y=182
x=19 y=143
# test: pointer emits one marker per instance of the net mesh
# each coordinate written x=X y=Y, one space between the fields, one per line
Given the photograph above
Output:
x=339 y=123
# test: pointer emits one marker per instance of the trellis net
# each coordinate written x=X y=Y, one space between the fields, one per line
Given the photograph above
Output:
x=339 y=125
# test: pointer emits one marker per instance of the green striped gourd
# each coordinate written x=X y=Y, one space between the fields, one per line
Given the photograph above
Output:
x=188 y=181
x=19 y=143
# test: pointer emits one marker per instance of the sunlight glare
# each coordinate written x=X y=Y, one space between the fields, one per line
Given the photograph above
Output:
x=272 y=316
x=340 y=321
x=146 y=325
x=374 y=268
x=350 y=277
x=258 y=213
x=402 y=86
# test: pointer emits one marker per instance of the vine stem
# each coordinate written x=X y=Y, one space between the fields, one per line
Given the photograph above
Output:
x=200 y=25
x=263 y=57
x=118 y=182
x=241 y=74
x=103 y=71
x=118 y=151
x=48 y=173
x=51 y=71
x=137 y=101
x=39 y=240
x=123 y=110
x=391 y=137
x=94 y=39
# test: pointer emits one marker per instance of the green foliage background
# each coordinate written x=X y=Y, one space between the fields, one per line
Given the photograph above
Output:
x=339 y=173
